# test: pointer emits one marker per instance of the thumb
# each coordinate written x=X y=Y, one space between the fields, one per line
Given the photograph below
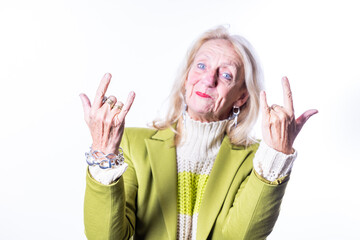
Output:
x=300 y=121
x=86 y=105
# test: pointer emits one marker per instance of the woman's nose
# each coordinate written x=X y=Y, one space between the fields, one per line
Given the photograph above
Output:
x=210 y=78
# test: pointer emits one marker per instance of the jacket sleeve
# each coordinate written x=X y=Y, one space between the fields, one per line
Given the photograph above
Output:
x=255 y=208
x=110 y=210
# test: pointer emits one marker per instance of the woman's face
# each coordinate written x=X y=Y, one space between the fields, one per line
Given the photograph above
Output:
x=214 y=83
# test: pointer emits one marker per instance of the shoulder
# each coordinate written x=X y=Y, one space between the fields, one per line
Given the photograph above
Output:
x=135 y=133
x=253 y=147
x=250 y=148
x=135 y=137
x=141 y=135
x=134 y=140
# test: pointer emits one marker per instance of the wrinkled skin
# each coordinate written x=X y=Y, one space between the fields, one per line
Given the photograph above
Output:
x=106 y=120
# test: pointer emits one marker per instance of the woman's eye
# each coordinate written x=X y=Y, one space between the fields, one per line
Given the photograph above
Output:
x=227 y=76
x=201 y=65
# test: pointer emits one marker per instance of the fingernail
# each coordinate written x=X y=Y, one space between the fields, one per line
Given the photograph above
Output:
x=107 y=75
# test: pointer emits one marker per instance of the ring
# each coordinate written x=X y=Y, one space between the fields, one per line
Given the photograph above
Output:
x=104 y=99
x=110 y=102
x=274 y=106
x=119 y=107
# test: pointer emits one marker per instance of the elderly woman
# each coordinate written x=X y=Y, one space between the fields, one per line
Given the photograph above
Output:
x=198 y=174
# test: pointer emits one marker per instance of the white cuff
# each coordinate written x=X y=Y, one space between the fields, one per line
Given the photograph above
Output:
x=109 y=175
x=271 y=164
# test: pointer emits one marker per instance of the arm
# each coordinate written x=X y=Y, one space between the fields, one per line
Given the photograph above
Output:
x=257 y=203
x=255 y=209
x=271 y=164
x=109 y=210
x=107 y=176
x=253 y=205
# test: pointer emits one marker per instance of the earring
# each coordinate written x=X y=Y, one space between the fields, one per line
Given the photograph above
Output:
x=184 y=110
x=236 y=112
x=184 y=115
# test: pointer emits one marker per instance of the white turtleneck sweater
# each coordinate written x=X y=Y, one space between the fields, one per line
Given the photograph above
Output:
x=195 y=158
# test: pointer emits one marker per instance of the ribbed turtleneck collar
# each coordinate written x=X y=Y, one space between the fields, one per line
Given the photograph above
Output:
x=200 y=139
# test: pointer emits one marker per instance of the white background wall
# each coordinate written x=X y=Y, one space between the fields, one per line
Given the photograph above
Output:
x=50 y=51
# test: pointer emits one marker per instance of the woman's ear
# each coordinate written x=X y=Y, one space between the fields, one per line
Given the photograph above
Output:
x=242 y=100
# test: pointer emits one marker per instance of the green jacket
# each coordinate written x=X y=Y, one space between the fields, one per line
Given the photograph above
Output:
x=237 y=203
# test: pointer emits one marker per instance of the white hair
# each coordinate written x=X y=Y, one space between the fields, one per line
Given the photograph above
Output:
x=250 y=71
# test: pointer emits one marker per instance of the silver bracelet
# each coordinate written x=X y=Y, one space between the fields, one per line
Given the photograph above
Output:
x=103 y=160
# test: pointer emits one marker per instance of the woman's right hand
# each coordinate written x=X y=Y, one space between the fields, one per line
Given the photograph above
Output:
x=106 y=120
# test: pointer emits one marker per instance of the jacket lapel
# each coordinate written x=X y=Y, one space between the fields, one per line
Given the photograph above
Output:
x=162 y=156
x=227 y=163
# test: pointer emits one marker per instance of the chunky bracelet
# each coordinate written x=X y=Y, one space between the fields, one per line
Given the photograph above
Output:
x=103 y=160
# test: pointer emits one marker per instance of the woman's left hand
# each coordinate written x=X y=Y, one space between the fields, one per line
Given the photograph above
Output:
x=279 y=126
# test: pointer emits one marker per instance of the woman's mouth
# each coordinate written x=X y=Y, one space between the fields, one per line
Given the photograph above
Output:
x=203 y=95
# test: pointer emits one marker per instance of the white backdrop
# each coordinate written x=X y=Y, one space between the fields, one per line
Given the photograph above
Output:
x=50 y=51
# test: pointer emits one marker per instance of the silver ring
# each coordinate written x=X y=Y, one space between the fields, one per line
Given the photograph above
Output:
x=104 y=99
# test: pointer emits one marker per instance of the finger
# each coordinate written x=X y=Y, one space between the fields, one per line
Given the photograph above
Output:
x=276 y=108
x=121 y=116
x=263 y=104
x=117 y=108
x=86 y=105
x=111 y=100
x=300 y=121
x=100 y=93
x=288 y=100
x=279 y=111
